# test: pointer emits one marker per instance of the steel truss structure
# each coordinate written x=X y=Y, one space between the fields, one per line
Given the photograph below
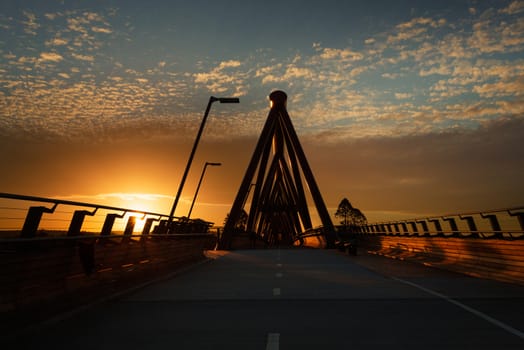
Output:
x=279 y=212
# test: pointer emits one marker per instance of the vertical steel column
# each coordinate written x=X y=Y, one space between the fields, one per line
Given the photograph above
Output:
x=78 y=220
x=425 y=228
x=414 y=228
x=495 y=225
x=147 y=228
x=130 y=226
x=32 y=220
x=405 y=231
x=453 y=226
x=107 y=228
x=520 y=217
x=438 y=227
x=471 y=224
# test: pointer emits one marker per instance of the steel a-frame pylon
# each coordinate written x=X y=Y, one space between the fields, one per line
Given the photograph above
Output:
x=278 y=213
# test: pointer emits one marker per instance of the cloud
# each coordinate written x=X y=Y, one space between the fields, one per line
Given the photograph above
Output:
x=226 y=76
x=51 y=57
x=341 y=54
x=500 y=89
x=442 y=69
x=407 y=35
x=101 y=30
x=30 y=24
x=51 y=16
x=492 y=34
x=407 y=80
x=229 y=64
x=76 y=25
x=414 y=29
x=81 y=57
x=421 y=21
x=291 y=73
x=403 y=96
x=56 y=42
x=513 y=8
x=422 y=30
x=391 y=75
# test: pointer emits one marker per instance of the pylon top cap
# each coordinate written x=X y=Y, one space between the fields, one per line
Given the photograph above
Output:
x=278 y=98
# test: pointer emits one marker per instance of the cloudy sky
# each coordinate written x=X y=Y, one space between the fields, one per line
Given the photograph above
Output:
x=406 y=108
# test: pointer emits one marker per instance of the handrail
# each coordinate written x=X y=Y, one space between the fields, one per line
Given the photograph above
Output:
x=74 y=203
x=447 y=225
x=448 y=215
x=34 y=215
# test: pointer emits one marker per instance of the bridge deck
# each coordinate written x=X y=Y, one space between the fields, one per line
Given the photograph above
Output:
x=299 y=299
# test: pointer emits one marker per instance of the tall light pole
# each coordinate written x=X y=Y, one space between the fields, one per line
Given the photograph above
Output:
x=190 y=160
x=198 y=186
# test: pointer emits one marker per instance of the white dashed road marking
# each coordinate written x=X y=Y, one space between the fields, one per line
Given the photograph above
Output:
x=273 y=341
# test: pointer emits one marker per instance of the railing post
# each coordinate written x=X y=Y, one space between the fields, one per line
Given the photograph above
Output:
x=471 y=225
x=107 y=228
x=397 y=231
x=147 y=228
x=130 y=226
x=520 y=217
x=453 y=226
x=424 y=225
x=414 y=227
x=161 y=228
x=438 y=227
x=495 y=226
x=405 y=231
x=32 y=220
x=78 y=219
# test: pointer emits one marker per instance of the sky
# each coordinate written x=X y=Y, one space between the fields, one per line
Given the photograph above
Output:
x=406 y=108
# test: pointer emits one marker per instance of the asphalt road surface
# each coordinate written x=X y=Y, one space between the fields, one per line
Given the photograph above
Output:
x=298 y=299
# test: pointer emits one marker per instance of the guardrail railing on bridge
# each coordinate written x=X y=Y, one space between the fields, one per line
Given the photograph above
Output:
x=54 y=259
x=488 y=244
x=498 y=223
x=28 y=216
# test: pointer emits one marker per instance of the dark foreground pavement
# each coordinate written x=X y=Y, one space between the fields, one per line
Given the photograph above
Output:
x=298 y=299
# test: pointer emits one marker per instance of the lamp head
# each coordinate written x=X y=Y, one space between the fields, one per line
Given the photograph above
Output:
x=228 y=100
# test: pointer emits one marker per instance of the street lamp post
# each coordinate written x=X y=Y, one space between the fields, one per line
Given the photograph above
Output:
x=190 y=160
x=198 y=186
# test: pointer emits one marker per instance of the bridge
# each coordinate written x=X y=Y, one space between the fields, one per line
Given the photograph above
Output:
x=83 y=276
x=413 y=284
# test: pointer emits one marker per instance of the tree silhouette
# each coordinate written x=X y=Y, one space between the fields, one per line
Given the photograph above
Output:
x=241 y=223
x=350 y=216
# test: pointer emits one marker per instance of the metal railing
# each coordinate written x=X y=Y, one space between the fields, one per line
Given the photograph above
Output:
x=505 y=223
x=28 y=217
